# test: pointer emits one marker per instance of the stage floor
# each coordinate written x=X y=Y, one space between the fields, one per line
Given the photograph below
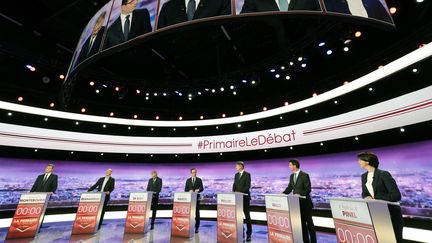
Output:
x=112 y=231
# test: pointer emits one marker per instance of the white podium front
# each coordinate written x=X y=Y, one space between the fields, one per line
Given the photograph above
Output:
x=28 y=215
x=183 y=216
x=88 y=213
x=230 y=217
x=138 y=214
x=283 y=218
x=359 y=220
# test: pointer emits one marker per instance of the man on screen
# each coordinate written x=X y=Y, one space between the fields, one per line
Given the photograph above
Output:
x=251 y=6
x=300 y=184
x=92 y=44
x=104 y=184
x=179 y=11
x=379 y=184
x=130 y=24
x=154 y=185
x=363 y=8
x=194 y=184
x=46 y=182
x=242 y=183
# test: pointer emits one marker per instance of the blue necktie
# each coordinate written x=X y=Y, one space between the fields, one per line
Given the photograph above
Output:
x=191 y=9
x=126 y=27
x=295 y=178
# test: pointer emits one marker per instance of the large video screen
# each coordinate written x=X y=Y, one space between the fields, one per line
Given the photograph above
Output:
x=332 y=175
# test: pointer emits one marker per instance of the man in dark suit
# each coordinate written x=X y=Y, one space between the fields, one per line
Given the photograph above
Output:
x=251 y=6
x=46 y=182
x=379 y=184
x=179 y=11
x=300 y=184
x=194 y=184
x=154 y=185
x=92 y=44
x=374 y=8
x=104 y=184
x=130 y=24
x=242 y=183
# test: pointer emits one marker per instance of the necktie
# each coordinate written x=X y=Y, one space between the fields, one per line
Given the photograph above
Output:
x=191 y=9
x=126 y=27
x=283 y=5
x=92 y=39
x=45 y=178
x=295 y=178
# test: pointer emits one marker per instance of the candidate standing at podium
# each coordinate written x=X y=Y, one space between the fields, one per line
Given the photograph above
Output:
x=155 y=185
x=379 y=184
x=300 y=184
x=242 y=183
x=104 y=184
x=46 y=182
x=194 y=184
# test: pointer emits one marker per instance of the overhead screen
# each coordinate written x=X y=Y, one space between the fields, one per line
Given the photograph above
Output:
x=332 y=175
x=108 y=26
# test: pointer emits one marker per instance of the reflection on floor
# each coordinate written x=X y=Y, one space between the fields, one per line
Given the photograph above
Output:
x=112 y=231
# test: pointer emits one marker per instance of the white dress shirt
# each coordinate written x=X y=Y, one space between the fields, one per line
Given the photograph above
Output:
x=196 y=4
x=277 y=3
x=240 y=173
x=357 y=8
x=123 y=20
x=369 y=183
x=46 y=176
x=104 y=183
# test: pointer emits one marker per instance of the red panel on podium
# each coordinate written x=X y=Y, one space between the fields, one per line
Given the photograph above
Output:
x=279 y=226
x=28 y=215
x=88 y=213
x=138 y=212
x=183 y=218
x=230 y=217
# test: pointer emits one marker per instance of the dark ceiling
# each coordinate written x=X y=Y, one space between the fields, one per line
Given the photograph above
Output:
x=45 y=33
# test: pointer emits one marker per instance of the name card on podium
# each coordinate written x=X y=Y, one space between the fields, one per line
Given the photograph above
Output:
x=183 y=217
x=138 y=213
x=28 y=215
x=230 y=217
x=88 y=213
x=283 y=218
x=354 y=220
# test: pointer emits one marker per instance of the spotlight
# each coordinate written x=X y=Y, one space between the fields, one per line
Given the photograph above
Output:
x=415 y=70
x=281 y=117
x=157 y=117
x=9 y=113
x=213 y=90
x=257 y=122
x=329 y=52
x=253 y=82
x=72 y=152
x=244 y=81
x=35 y=150
x=265 y=150
x=104 y=85
x=189 y=95
x=176 y=155
x=83 y=110
x=111 y=113
x=393 y=10
x=20 y=98
x=151 y=155
x=180 y=118
x=299 y=59
x=264 y=108
x=190 y=98
x=335 y=102
x=371 y=89
x=345 y=82
x=155 y=94
x=282 y=67
x=287 y=77
x=129 y=128
x=356 y=138
x=164 y=94
x=152 y=129
x=199 y=93
x=61 y=76
x=419 y=1
x=402 y=129
x=196 y=128
x=321 y=144
x=357 y=34
x=217 y=127
x=147 y=94
x=30 y=67
x=117 y=89
x=220 y=153
x=147 y=98
x=92 y=83
x=174 y=129
x=138 y=91
x=239 y=125
x=232 y=87
x=76 y=123
x=52 y=104
x=201 y=117
x=222 y=89
x=46 y=119
x=46 y=80
x=223 y=115
x=306 y=111
x=97 y=91
x=135 y=116
x=286 y=103
x=241 y=113
x=291 y=63
x=127 y=155
x=291 y=148
x=272 y=70
x=346 y=49
x=104 y=126
x=321 y=44
x=277 y=75
x=347 y=41
x=234 y=93
x=303 y=65
x=101 y=154
x=314 y=95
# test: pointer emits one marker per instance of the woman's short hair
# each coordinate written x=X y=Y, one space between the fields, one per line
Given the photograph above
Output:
x=369 y=157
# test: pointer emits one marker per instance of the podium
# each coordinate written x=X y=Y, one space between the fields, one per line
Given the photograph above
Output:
x=360 y=220
x=283 y=218
x=88 y=213
x=138 y=213
x=230 y=217
x=28 y=215
x=183 y=216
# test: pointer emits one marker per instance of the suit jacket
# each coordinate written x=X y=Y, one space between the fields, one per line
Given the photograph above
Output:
x=85 y=52
x=50 y=184
x=243 y=183
x=155 y=186
x=374 y=8
x=109 y=186
x=140 y=25
x=251 y=6
x=384 y=186
x=174 y=11
x=301 y=187
x=197 y=185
